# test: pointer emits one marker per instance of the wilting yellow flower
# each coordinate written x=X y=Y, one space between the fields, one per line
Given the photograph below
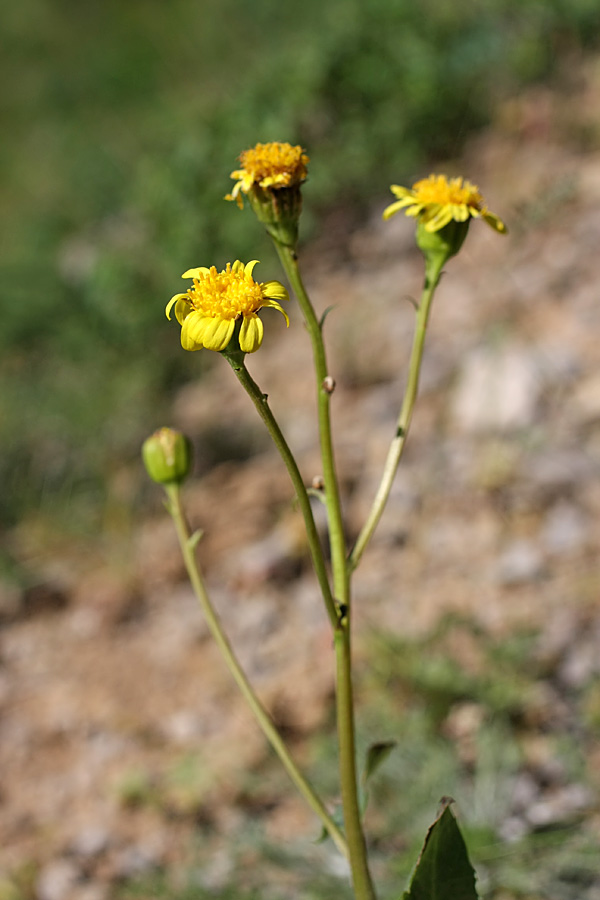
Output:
x=208 y=311
x=436 y=201
x=274 y=165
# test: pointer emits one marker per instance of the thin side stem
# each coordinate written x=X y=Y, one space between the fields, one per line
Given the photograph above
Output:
x=260 y=402
x=404 y=419
x=188 y=544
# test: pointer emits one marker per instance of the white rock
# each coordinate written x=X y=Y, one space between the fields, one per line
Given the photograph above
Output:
x=520 y=562
x=564 y=529
x=91 y=841
x=498 y=390
x=56 y=880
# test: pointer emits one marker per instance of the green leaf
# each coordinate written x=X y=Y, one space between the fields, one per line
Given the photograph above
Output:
x=443 y=870
x=324 y=316
x=376 y=756
x=195 y=538
x=338 y=817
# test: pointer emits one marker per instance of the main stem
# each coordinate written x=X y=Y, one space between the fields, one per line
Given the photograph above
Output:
x=325 y=388
x=361 y=877
x=188 y=544
x=433 y=272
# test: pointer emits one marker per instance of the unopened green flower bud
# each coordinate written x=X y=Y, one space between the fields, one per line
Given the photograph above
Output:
x=167 y=456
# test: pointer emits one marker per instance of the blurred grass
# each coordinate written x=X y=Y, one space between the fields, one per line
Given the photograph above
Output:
x=121 y=123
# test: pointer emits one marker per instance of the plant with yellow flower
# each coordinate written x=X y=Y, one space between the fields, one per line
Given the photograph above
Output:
x=220 y=312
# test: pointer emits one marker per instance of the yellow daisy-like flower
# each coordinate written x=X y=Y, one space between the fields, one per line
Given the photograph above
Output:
x=436 y=201
x=274 y=165
x=208 y=311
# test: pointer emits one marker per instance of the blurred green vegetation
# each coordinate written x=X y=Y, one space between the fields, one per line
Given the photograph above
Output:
x=121 y=123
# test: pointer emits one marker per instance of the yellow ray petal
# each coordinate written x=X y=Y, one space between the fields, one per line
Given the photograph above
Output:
x=273 y=304
x=195 y=273
x=275 y=290
x=172 y=303
x=251 y=334
x=216 y=333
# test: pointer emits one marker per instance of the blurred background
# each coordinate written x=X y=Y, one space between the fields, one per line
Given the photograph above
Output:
x=128 y=768
x=121 y=123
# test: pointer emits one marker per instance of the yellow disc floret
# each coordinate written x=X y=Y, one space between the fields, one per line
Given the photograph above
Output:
x=274 y=165
x=437 y=200
x=208 y=311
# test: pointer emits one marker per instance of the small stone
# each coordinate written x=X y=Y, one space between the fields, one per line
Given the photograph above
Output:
x=557 y=470
x=134 y=861
x=585 y=402
x=183 y=727
x=521 y=562
x=513 y=829
x=559 y=806
x=498 y=390
x=56 y=880
x=92 y=892
x=525 y=791
x=90 y=842
x=217 y=872
x=264 y=560
x=564 y=529
x=580 y=665
x=559 y=633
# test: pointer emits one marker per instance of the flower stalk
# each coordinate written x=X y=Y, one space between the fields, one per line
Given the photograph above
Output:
x=188 y=542
x=260 y=401
x=433 y=271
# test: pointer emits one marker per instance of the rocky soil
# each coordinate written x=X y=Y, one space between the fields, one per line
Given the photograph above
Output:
x=109 y=683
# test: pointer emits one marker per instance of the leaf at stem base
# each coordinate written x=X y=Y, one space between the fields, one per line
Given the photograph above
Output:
x=443 y=870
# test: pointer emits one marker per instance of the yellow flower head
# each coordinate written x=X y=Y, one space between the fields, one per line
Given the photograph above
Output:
x=436 y=201
x=208 y=311
x=274 y=165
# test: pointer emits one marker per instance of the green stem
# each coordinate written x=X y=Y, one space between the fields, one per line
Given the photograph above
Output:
x=264 y=410
x=325 y=386
x=188 y=544
x=361 y=877
x=433 y=272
